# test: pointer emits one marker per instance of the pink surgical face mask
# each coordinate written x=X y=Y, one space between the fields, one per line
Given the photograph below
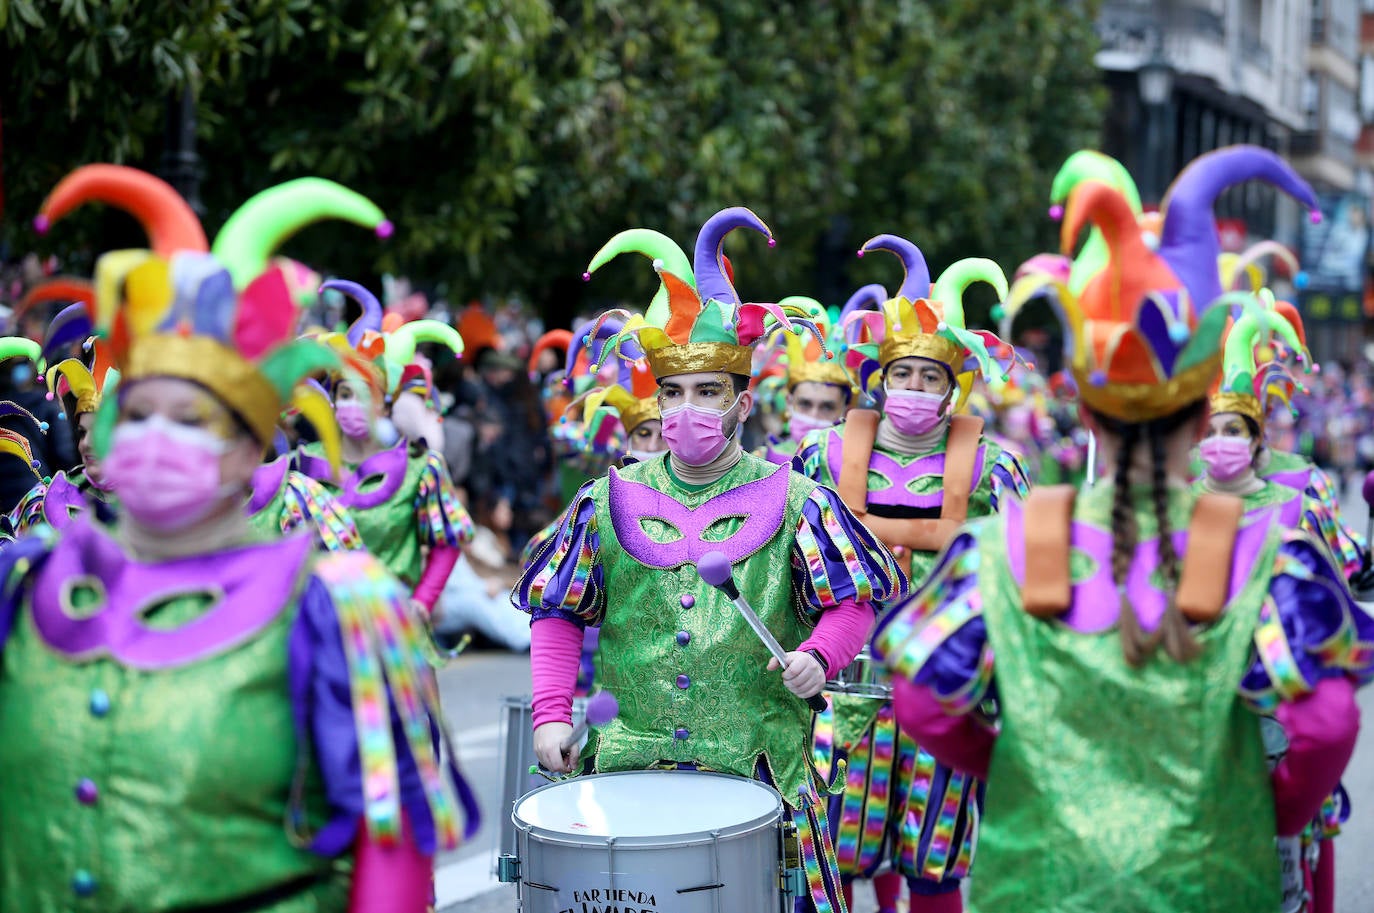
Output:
x=914 y=412
x=1226 y=457
x=353 y=419
x=695 y=435
x=166 y=475
x=799 y=425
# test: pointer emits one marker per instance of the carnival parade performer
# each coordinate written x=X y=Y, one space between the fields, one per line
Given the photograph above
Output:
x=899 y=806
x=397 y=492
x=819 y=389
x=696 y=688
x=192 y=718
x=1103 y=657
x=281 y=499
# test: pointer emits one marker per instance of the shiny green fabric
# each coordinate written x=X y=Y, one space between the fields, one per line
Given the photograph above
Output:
x=193 y=765
x=1116 y=788
x=733 y=710
x=390 y=531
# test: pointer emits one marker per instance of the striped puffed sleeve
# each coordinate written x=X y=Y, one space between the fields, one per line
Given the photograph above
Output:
x=1348 y=545
x=835 y=557
x=938 y=638
x=439 y=515
x=1310 y=628
x=308 y=503
x=1009 y=479
x=564 y=578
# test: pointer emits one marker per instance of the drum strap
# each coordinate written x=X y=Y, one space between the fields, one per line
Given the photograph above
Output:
x=917 y=534
x=1047 y=590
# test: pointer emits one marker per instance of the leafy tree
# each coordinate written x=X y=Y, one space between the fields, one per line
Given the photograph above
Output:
x=508 y=139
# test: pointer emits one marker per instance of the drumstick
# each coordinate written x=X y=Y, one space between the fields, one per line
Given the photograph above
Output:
x=714 y=568
x=1090 y=473
x=602 y=707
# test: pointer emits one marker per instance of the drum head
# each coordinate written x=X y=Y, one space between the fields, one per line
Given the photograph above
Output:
x=647 y=803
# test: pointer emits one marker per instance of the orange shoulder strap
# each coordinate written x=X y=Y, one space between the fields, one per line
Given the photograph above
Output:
x=1205 y=580
x=961 y=452
x=1047 y=521
x=860 y=431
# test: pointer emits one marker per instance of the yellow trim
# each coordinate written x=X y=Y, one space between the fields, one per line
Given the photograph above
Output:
x=696 y=357
x=1240 y=403
x=1143 y=402
x=631 y=417
x=827 y=371
x=922 y=345
x=217 y=368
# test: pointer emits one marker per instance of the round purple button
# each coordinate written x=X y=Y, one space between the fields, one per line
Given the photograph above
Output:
x=86 y=792
x=681 y=734
x=688 y=600
x=683 y=681
x=684 y=638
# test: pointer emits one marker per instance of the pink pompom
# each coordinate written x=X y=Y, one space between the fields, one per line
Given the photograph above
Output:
x=1056 y=212
x=862 y=252
x=772 y=242
x=586 y=277
x=41 y=224
x=1315 y=216
x=49 y=396
x=385 y=229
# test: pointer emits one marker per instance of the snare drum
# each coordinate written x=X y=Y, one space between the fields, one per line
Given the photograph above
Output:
x=650 y=841
x=517 y=757
x=862 y=677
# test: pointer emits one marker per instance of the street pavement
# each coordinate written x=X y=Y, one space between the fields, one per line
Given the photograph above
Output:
x=475 y=683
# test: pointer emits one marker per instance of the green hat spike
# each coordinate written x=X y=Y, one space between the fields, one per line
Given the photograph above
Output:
x=954 y=281
x=657 y=247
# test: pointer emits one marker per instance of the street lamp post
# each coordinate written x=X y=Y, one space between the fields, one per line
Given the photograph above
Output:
x=180 y=163
x=1156 y=84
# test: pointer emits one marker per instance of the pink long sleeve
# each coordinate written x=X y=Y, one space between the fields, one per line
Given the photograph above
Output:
x=555 y=653
x=394 y=878
x=840 y=634
x=960 y=741
x=1321 y=729
x=438 y=566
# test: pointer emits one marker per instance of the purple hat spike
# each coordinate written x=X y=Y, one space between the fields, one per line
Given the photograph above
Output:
x=707 y=266
x=72 y=324
x=869 y=298
x=1188 y=241
x=371 y=317
x=916 y=284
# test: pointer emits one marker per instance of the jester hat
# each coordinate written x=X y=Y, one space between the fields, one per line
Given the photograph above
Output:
x=807 y=360
x=924 y=323
x=224 y=318
x=1246 y=387
x=1143 y=334
x=697 y=321
x=1244 y=270
x=635 y=401
x=14 y=443
x=382 y=344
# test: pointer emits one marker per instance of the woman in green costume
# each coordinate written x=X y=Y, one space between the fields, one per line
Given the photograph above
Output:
x=1103 y=656
x=192 y=719
x=397 y=491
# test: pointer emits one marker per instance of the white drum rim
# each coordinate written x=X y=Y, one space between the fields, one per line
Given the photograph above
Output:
x=545 y=834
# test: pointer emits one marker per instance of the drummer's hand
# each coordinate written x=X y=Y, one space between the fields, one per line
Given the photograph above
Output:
x=803 y=676
x=548 y=741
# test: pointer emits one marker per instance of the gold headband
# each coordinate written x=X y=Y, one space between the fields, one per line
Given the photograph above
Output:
x=1141 y=402
x=631 y=417
x=1240 y=403
x=922 y=345
x=217 y=368
x=696 y=357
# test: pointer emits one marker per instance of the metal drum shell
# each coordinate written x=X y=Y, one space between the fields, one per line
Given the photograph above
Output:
x=743 y=858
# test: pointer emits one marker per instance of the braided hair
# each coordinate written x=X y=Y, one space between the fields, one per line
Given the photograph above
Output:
x=1137 y=645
